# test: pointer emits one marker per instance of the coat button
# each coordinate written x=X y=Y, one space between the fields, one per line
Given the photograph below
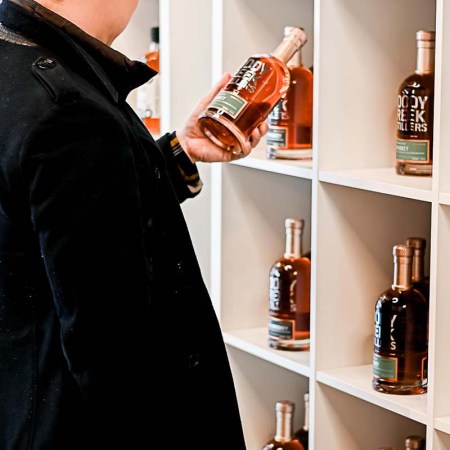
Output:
x=150 y=222
x=180 y=267
x=193 y=360
x=45 y=63
x=157 y=173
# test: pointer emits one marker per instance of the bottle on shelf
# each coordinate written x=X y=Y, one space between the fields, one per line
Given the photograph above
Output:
x=415 y=103
x=148 y=96
x=414 y=443
x=283 y=439
x=401 y=332
x=420 y=281
x=289 y=294
x=290 y=121
x=250 y=95
x=302 y=434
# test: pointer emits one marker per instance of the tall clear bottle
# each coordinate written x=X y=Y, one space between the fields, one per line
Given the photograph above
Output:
x=401 y=332
x=420 y=281
x=290 y=121
x=289 y=293
x=149 y=95
x=415 y=103
x=250 y=95
x=283 y=439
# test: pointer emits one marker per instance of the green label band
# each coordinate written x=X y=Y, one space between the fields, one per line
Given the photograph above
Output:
x=231 y=103
x=412 y=150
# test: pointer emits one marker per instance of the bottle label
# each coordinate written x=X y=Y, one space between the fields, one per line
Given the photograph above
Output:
x=386 y=368
x=277 y=136
x=281 y=329
x=229 y=103
x=413 y=150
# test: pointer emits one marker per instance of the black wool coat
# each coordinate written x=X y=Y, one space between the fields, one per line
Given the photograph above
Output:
x=107 y=333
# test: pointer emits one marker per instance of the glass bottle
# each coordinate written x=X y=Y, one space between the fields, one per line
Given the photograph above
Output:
x=250 y=95
x=302 y=434
x=415 y=103
x=420 y=281
x=289 y=294
x=290 y=121
x=283 y=439
x=401 y=332
x=149 y=94
x=414 y=443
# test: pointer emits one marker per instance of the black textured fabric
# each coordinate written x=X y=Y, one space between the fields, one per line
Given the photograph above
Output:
x=107 y=333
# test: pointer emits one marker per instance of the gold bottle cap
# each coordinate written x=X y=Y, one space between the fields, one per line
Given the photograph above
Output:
x=416 y=243
x=425 y=39
x=285 y=406
x=294 y=223
x=296 y=34
x=414 y=442
x=402 y=250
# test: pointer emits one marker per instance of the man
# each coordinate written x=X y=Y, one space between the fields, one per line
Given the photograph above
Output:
x=107 y=333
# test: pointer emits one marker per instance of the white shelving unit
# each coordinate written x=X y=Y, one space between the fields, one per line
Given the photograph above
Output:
x=355 y=207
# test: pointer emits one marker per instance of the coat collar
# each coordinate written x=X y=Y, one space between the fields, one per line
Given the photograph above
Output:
x=116 y=73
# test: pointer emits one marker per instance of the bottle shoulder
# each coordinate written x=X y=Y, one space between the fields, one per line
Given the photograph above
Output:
x=417 y=81
x=401 y=297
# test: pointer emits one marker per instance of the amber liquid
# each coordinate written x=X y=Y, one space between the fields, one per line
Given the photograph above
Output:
x=153 y=123
x=287 y=445
x=290 y=122
x=401 y=342
x=415 y=105
x=289 y=312
x=255 y=89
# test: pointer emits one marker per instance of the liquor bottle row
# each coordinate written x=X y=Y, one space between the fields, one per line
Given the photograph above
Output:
x=285 y=438
x=277 y=87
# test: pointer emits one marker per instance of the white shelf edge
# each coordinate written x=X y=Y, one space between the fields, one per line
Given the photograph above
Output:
x=244 y=340
x=444 y=198
x=442 y=424
x=380 y=180
x=356 y=381
x=257 y=159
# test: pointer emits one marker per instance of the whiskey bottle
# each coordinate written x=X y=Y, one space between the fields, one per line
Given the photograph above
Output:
x=414 y=443
x=289 y=294
x=415 y=102
x=401 y=332
x=302 y=434
x=250 y=95
x=148 y=95
x=420 y=281
x=283 y=439
x=290 y=121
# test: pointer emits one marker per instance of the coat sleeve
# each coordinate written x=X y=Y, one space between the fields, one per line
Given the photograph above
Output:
x=78 y=166
x=183 y=173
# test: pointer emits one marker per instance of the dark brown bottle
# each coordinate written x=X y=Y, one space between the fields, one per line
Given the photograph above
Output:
x=415 y=103
x=401 y=332
x=420 y=281
x=302 y=434
x=283 y=439
x=289 y=294
x=290 y=121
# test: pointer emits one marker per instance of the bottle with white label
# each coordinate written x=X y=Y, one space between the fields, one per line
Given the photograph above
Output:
x=401 y=332
x=415 y=103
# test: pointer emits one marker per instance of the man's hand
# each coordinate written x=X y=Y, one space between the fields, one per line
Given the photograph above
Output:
x=198 y=147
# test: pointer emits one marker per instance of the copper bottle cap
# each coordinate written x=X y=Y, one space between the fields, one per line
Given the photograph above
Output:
x=402 y=251
x=285 y=406
x=297 y=34
x=416 y=243
x=414 y=442
x=294 y=223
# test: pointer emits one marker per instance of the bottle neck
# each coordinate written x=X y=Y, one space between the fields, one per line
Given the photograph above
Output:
x=418 y=271
x=425 y=59
x=286 y=50
x=153 y=47
x=284 y=426
x=306 y=423
x=296 y=60
x=402 y=273
x=293 y=243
